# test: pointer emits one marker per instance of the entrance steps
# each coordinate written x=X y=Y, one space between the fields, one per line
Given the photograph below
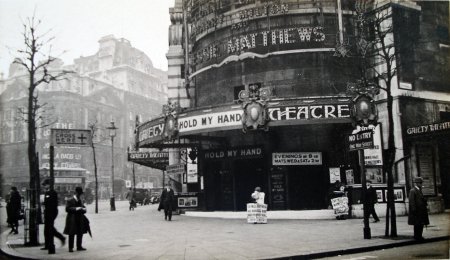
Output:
x=273 y=214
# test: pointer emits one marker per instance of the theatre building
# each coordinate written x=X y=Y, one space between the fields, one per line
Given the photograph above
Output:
x=259 y=100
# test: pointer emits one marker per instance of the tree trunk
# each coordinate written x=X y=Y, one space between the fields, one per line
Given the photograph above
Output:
x=34 y=167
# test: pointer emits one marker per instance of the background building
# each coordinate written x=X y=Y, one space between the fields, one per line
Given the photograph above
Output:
x=118 y=83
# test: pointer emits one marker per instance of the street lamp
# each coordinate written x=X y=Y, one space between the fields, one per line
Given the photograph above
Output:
x=112 y=133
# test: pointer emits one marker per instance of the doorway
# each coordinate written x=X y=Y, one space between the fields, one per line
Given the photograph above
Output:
x=307 y=187
x=249 y=174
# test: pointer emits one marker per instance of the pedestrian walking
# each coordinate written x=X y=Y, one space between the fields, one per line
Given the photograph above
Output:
x=418 y=212
x=370 y=200
x=258 y=196
x=131 y=199
x=166 y=203
x=13 y=208
x=76 y=222
x=50 y=214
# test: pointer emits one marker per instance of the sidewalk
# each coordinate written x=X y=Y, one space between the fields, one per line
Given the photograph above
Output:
x=143 y=234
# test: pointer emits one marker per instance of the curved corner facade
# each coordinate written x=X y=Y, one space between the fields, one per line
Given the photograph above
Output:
x=225 y=57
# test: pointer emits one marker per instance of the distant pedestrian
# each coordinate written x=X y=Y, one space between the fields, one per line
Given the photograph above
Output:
x=258 y=196
x=131 y=199
x=50 y=214
x=418 y=212
x=370 y=200
x=166 y=203
x=76 y=222
x=13 y=208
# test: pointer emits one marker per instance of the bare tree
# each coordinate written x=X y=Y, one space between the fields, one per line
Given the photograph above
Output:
x=36 y=63
x=378 y=53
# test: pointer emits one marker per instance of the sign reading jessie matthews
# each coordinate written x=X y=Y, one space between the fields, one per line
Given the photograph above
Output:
x=303 y=158
x=361 y=140
x=79 y=137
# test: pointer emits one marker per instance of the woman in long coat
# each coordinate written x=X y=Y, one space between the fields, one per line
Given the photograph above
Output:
x=418 y=213
x=13 y=210
x=76 y=222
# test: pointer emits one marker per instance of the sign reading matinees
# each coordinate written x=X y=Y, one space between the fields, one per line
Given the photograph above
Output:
x=301 y=158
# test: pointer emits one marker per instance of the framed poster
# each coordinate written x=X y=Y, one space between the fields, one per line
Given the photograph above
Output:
x=379 y=195
x=349 y=177
x=187 y=202
x=335 y=174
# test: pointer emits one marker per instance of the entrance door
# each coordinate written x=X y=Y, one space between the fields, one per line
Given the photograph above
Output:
x=307 y=188
x=249 y=174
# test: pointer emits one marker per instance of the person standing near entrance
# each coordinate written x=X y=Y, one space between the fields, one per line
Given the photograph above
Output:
x=166 y=203
x=258 y=196
x=50 y=213
x=418 y=212
x=76 y=223
x=370 y=201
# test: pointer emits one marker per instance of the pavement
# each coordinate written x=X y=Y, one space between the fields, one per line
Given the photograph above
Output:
x=144 y=234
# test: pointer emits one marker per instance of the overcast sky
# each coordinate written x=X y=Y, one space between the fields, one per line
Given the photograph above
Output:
x=78 y=25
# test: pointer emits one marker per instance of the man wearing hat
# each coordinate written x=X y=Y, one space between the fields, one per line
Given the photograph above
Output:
x=76 y=223
x=370 y=200
x=50 y=213
x=418 y=213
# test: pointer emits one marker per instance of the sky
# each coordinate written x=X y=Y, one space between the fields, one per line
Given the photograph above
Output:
x=77 y=25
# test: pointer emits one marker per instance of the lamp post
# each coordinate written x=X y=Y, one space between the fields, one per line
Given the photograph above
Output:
x=112 y=133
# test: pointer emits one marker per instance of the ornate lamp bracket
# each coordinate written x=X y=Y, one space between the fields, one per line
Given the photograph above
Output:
x=170 y=112
x=254 y=104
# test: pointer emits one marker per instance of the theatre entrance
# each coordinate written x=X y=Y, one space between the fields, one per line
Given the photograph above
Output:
x=229 y=183
x=307 y=187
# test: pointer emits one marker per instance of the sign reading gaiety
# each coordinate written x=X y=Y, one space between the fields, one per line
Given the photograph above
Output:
x=428 y=129
x=300 y=158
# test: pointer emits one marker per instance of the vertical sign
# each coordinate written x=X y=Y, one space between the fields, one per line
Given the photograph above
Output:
x=192 y=169
x=426 y=168
x=278 y=190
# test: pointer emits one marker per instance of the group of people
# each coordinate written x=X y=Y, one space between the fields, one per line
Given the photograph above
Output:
x=418 y=212
x=76 y=225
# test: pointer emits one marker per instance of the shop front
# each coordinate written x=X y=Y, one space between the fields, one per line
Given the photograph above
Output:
x=427 y=135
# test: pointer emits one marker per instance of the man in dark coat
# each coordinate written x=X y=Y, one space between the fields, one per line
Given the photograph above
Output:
x=166 y=203
x=370 y=201
x=418 y=213
x=50 y=213
x=13 y=210
x=76 y=223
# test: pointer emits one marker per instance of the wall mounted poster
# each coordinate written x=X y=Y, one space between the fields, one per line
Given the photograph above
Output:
x=335 y=174
x=349 y=176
